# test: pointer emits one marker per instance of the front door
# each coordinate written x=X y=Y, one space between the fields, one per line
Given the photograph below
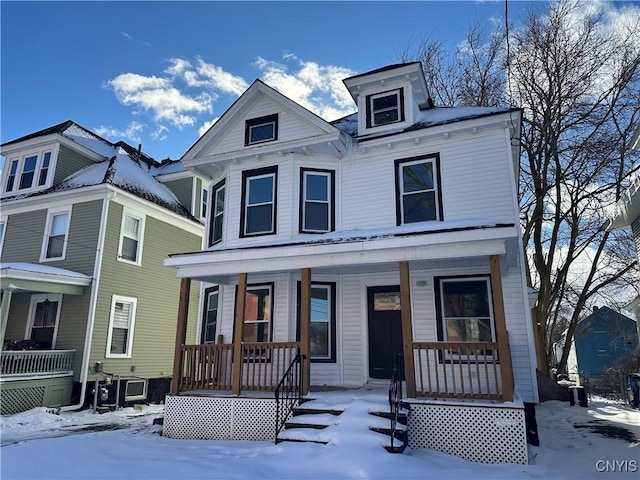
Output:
x=385 y=329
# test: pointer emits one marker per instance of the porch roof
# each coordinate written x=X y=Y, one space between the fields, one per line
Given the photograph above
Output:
x=424 y=245
x=33 y=277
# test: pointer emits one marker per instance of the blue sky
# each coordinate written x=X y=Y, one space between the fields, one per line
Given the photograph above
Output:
x=158 y=73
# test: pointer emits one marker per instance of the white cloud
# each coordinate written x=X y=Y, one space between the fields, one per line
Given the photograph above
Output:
x=206 y=126
x=131 y=132
x=316 y=87
x=159 y=97
x=183 y=95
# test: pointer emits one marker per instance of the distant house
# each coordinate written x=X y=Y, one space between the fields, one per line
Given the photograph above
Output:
x=84 y=227
x=628 y=215
x=392 y=231
x=604 y=339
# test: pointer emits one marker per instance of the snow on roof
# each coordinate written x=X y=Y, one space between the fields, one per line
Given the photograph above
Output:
x=41 y=269
x=89 y=140
x=427 y=118
x=123 y=171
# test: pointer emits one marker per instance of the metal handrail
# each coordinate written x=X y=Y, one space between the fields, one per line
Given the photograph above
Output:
x=395 y=394
x=290 y=389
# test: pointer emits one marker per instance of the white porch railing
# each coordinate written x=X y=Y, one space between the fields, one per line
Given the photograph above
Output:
x=36 y=363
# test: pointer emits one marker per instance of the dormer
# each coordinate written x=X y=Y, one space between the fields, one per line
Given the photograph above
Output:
x=388 y=98
x=33 y=162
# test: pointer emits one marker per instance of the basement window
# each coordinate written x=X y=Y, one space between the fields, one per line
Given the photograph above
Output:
x=136 y=390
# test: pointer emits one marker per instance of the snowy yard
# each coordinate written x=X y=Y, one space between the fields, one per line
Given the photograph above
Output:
x=126 y=444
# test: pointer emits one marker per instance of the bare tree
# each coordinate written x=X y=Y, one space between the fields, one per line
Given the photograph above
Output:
x=577 y=78
x=577 y=81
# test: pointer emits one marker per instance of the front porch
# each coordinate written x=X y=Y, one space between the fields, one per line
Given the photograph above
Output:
x=34 y=378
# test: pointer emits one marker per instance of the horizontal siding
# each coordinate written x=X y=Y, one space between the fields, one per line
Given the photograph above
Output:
x=290 y=127
x=25 y=235
x=183 y=190
x=351 y=367
x=157 y=290
x=68 y=162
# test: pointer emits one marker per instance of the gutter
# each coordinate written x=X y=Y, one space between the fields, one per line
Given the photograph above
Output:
x=86 y=351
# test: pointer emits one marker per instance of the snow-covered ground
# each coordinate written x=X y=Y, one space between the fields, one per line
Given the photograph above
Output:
x=126 y=445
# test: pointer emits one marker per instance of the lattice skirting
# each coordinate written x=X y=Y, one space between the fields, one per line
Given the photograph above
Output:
x=219 y=418
x=22 y=395
x=483 y=434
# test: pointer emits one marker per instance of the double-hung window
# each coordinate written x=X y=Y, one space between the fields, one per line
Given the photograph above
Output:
x=262 y=129
x=418 y=196
x=317 y=199
x=56 y=234
x=258 y=312
x=121 y=323
x=131 y=236
x=259 y=195
x=385 y=108
x=465 y=309
x=210 y=317
x=322 y=331
x=28 y=172
x=216 y=220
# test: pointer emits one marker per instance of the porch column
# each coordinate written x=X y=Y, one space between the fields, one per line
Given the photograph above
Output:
x=407 y=331
x=238 y=323
x=502 y=336
x=305 y=327
x=4 y=312
x=181 y=334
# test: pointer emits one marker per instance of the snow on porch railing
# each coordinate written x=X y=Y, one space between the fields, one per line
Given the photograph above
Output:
x=36 y=363
x=461 y=370
x=209 y=366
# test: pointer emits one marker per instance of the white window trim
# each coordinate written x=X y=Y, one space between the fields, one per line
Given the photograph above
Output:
x=136 y=397
x=141 y=217
x=134 y=304
x=39 y=153
x=436 y=187
x=47 y=233
x=38 y=298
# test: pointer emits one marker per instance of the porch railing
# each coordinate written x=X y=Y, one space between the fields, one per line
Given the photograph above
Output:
x=36 y=363
x=209 y=366
x=462 y=370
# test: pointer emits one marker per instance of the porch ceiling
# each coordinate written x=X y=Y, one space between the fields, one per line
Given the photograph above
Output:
x=358 y=255
x=31 y=277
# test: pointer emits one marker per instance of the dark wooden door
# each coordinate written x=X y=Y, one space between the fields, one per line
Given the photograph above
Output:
x=385 y=329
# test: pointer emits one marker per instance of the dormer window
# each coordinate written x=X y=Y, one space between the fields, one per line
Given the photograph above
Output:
x=385 y=108
x=28 y=172
x=262 y=129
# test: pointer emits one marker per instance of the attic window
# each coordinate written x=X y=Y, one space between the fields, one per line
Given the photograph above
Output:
x=28 y=172
x=262 y=129
x=385 y=108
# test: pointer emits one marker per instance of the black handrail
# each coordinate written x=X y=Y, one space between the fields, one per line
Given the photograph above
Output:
x=289 y=391
x=395 y=394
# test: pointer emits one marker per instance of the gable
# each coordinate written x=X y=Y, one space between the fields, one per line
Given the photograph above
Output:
x=261 y=122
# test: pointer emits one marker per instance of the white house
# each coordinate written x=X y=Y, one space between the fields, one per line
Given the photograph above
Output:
x=390 y=231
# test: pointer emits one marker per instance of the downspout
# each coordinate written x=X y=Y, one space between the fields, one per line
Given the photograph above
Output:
x=84 y=369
